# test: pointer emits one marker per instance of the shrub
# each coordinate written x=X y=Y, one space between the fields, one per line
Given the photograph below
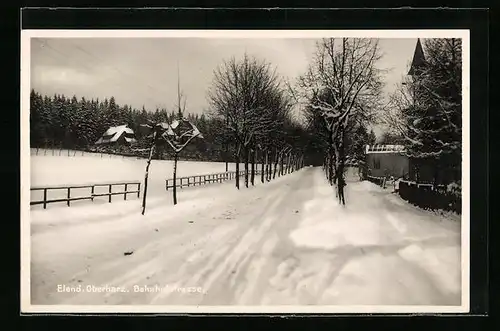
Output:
x=426 y=196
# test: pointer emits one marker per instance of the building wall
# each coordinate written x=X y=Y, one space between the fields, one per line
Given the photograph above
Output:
x=387 y=164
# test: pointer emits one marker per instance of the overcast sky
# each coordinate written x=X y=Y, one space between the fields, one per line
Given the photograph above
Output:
x=142 y=71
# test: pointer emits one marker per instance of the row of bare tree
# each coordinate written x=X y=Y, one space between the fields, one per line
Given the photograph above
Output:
x=251 y=99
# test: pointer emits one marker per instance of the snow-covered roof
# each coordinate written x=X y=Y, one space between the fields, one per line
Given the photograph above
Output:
x=114 y=133
x=118 y=129
x=384 y=149
x=175 y=124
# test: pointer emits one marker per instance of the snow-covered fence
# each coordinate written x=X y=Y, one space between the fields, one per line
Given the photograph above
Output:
x=377 y=180
x=81 y=152
x=427 y=196
x=194 y=180
x=93 y=194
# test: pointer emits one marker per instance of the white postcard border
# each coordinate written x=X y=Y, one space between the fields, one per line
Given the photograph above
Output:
x=27 y=35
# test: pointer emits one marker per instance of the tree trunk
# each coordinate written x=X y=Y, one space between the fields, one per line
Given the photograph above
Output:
x=266 y=175
x=340 y=171
x=146 y=179
x=253 y=167
x=326 y=165
x=276 y=160
x=263 y=162
x=331 y=169
x=282 y=165
x=237 y=177
x=246 y=151
x=269 y=165
x=175 y=179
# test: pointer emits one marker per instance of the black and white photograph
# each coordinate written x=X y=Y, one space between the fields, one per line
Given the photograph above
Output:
x=245 y=171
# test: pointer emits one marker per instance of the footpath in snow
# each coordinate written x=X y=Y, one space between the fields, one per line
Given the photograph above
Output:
x=384 y=251
x=286 y=242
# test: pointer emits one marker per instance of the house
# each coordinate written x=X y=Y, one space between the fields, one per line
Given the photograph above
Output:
x=117 y=135
x=386 y=161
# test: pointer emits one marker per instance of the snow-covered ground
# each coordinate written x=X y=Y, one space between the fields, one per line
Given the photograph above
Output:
x=286 y=242
x=64 y=170
x=91 y=168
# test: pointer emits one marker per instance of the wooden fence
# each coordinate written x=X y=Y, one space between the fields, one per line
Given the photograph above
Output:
x=381 y=181
x=92 y=195
x=206 y=179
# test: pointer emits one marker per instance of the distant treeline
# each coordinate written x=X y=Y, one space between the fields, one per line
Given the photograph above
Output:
x=77 y=123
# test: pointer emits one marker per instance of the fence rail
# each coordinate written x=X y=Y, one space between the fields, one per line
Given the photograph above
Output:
x=92 y=195
x=381 y=181
x=194 y=180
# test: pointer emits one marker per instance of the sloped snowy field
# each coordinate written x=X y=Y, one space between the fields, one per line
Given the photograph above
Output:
x=91 y=168
x=286 y=242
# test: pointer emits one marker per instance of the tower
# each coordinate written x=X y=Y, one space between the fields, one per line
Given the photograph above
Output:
x=418 y=59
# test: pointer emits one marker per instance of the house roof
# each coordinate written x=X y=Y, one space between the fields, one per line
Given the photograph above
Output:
x=384 y=149
x=175 y=124
x=118 y=129
x=113 y=134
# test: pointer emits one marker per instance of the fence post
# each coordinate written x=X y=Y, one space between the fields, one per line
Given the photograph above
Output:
x=92 y=193
x=125 y=195
x=44 y=198
x=166 y=185
x=69 y=195
x=109 y=193
x=188 y=181
x=138 y=190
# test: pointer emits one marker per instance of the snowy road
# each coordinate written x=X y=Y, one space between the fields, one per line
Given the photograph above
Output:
x=286 y=242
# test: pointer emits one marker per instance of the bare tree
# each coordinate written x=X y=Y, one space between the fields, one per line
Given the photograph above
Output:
x=154 y=132
x=341 y=82
x=240 y=95
x=178 y=135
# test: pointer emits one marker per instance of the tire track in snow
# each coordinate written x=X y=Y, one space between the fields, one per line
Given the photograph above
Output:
x=218 y=263
x=260 y=249
x=224 y=273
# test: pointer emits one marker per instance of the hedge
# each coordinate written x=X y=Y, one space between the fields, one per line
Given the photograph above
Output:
x=427 y=197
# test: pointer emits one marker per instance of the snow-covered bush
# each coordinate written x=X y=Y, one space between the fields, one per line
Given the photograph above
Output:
x=454 y=188
x=424 y=196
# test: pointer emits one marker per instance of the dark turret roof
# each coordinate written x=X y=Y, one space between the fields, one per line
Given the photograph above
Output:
x=418 y=58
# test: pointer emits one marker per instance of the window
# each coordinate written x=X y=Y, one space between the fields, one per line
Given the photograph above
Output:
x=376 y=163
